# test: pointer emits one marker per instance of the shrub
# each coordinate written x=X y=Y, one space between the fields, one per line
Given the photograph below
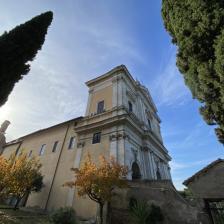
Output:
x=64 y=215
x=132 y=202
x=139 y=211
x=142 y=213
x=155 y=215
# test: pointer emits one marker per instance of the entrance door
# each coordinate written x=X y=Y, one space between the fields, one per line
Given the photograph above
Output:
x=216 y=210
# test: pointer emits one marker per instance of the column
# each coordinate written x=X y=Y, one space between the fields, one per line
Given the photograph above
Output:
x=121 y=150
x=143 y=171
x=154 y=165
x=145 y=116
x=151 y=165
x=113 y=149
x=169 y=174
x=147 y=164
x=166 y=170
x=163 y=170
x=113 y=144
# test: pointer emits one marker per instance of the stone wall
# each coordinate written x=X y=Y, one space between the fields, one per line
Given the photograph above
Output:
x=208 y=185
x=161 y=193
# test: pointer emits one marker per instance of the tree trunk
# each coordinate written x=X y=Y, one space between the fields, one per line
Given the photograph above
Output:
x=101 y=213
x=108 y=213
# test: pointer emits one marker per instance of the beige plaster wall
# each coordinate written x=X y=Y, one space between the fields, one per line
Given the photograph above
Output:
x=59 y=193
x=48 y=159
x=95 y=150
x=9 y=150
x=83 y=205
x=99 y=95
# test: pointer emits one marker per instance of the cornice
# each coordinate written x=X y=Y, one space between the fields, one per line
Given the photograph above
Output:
x=91 y=123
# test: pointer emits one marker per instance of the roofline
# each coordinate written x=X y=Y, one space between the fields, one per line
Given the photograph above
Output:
x=13 y=142
x=113 y=71
x=212 y=164
x=41 y=130
x=107 y=74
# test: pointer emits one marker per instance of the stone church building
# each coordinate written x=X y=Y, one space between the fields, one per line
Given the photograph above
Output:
x=121 y=120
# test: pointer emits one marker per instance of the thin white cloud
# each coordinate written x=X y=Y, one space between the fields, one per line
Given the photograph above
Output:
x=168 y=88
x=199 y=135
x=176 y=166
x=76 y=49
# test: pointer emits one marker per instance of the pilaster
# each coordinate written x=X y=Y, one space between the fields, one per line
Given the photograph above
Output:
x=89 y=101
x=153 y=165
x=76 y=164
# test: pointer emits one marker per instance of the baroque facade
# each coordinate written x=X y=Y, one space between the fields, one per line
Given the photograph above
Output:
x=121 y=120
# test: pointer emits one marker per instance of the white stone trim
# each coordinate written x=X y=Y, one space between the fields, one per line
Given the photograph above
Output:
x=89 y=102
x=71 y=191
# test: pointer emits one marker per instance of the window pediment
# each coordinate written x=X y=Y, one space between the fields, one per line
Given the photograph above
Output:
x=131 y=95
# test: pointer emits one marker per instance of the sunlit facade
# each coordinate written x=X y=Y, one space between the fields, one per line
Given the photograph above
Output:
x=121 y=120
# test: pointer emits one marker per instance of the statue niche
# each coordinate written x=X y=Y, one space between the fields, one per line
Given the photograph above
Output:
x=136 y=174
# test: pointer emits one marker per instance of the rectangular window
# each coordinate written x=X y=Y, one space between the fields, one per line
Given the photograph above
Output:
x=30 y=154
x=55 y=146
x=96 y=138
x=100 y=107
x=17 y=151
x=130 y=109
x=42 y=149
x=71 y=144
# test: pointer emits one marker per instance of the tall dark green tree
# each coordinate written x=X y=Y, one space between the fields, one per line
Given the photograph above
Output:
x=18 y=47
x=197 y=28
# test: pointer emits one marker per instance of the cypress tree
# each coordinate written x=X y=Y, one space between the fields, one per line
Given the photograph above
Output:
x=18 y=47
x=196 y=27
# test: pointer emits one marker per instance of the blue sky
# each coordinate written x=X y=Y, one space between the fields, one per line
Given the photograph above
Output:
x=88 y=38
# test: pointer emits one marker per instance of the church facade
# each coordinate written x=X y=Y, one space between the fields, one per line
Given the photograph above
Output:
x=121 y=120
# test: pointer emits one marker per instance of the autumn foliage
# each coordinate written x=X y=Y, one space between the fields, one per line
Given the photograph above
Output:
x=3 y=173
x=99 y=180
x=19 y=175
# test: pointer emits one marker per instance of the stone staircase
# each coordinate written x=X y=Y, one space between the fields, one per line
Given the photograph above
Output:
x=176 y=210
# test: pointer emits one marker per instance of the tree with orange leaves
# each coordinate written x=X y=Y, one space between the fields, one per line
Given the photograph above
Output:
x=3 y=174
x=99 y=180
x=25 y=176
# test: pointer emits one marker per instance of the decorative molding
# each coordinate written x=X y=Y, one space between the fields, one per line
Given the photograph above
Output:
x=149 y=114
x=117 y=78
x=91 y=90
x=146 y=148
x=80 y=144
x=118 y=136
x=132 y=95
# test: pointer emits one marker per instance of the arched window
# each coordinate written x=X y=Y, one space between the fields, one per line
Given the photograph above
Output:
x=136 y=174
